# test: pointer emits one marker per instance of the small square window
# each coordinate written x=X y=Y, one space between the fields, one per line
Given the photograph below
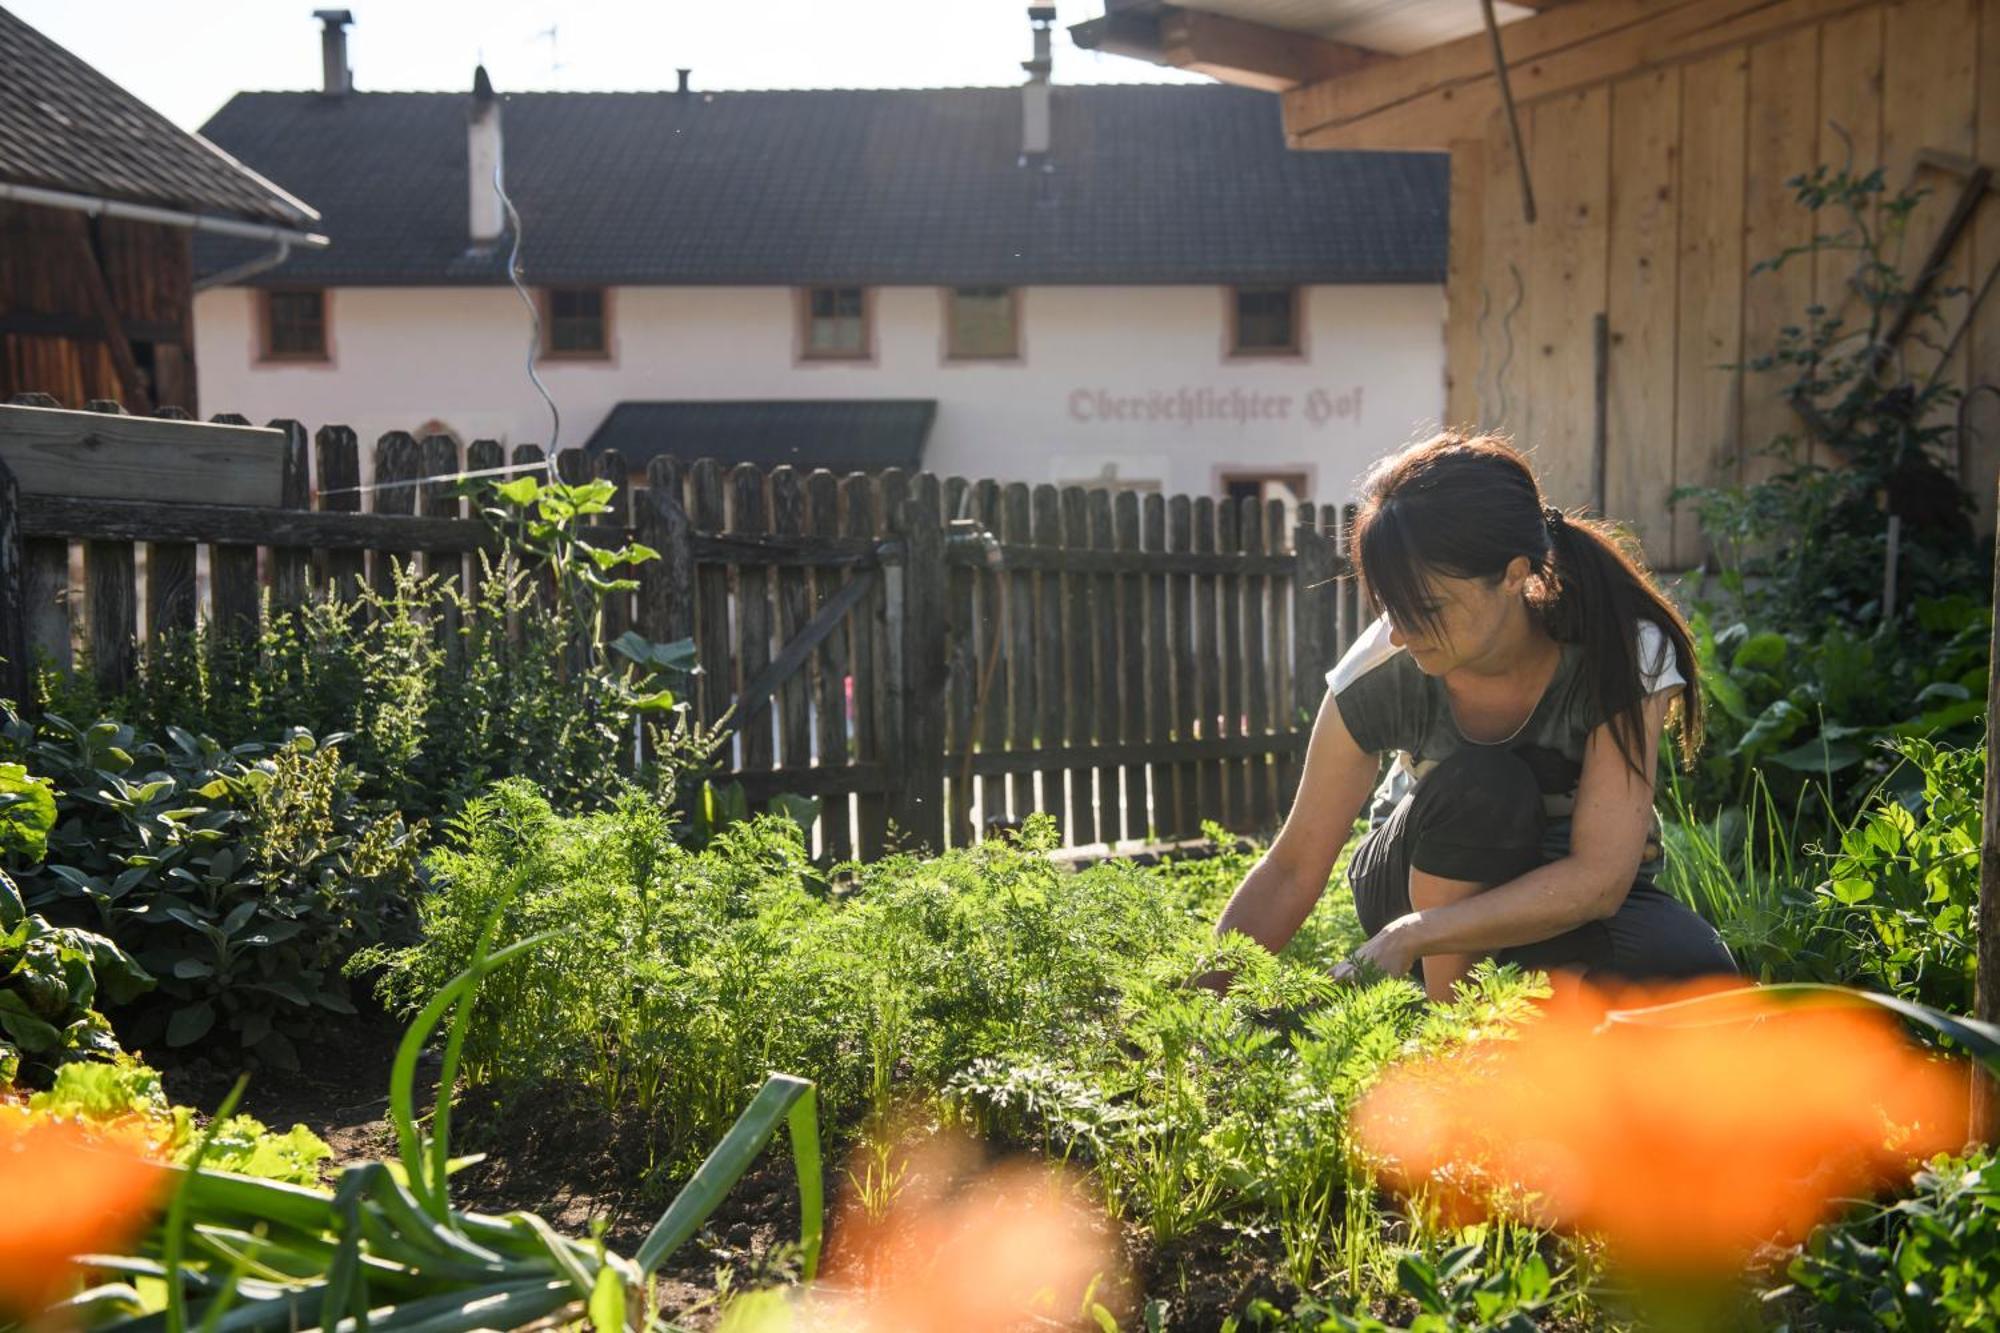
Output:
x=295 y=325
x=981 y=324
x=574 y=323
x=836 y=322
x=1266 y=321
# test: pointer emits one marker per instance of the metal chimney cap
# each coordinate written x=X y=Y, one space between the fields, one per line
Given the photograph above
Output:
x=482 y=86
x=330 y=17
x=684 y=76
x=1041 y=13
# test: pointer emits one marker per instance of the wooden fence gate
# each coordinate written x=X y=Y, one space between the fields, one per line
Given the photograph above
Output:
x=938 y=657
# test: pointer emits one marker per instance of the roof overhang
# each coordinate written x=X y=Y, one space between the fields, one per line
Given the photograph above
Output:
x=841 y=435
x=95 y=206
x=1352 y=78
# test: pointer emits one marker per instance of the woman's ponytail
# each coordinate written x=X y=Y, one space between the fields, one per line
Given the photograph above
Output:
x=1596 y=593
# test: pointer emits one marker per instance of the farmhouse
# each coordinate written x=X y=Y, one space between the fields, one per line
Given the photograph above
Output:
x=1137 y=285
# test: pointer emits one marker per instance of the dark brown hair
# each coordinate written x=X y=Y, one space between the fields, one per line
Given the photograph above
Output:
x=1463 y=506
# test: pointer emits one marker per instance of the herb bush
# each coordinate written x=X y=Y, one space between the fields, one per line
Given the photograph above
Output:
x=1041 y=1007
x=442 y=690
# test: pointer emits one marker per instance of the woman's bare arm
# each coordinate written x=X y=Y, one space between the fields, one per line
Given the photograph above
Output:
x=1278 y=893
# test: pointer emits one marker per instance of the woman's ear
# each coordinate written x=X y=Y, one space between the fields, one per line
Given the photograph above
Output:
x=1515 y=577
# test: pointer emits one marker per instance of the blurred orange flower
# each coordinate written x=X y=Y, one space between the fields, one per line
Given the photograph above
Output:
x=1685 y=1144
x=68 y=1193
x=964 y=1248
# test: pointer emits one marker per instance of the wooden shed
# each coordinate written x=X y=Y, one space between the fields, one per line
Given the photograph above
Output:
x=100 y=197
x=1658 y=137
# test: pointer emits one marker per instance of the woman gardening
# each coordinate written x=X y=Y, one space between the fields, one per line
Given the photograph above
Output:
x=1519 y=676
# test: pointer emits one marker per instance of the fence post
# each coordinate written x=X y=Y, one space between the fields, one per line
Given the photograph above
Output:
x=110 y=599
x=1986 y=977
x=666 y=585
x=13 y=595
x=1316 y=609
x=289 y=564
x=45 y=586
x=917 y=804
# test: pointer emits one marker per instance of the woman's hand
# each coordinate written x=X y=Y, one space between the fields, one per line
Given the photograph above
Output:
x=1394 y=949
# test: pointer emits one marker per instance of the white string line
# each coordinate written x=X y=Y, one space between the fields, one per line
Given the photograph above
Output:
x=518 y=469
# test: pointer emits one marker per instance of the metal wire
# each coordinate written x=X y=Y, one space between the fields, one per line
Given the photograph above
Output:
x=534 y=349
x=534 y=317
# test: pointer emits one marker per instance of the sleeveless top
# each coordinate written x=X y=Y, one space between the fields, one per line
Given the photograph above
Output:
x=1391 y=707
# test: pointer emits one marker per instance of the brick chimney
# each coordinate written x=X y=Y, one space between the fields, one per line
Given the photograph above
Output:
x=482 y=155
x=336 y=79
x=1035 y=92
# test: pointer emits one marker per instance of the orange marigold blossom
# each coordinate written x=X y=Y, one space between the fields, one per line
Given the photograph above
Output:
x=69 y=1192
x=1685 y=1144
x=963 y=1247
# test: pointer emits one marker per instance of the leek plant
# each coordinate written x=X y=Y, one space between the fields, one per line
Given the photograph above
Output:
x=384 y=1249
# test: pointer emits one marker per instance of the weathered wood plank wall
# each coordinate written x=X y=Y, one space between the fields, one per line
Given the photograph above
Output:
x=1658 y=193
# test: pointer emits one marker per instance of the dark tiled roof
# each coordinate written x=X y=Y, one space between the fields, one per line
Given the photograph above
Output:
x=1151 y=183
x=64 y=126
x=840 y=434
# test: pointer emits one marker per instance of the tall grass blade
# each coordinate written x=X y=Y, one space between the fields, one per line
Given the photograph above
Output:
x=439 y=1190
x=721 y=1169
x=175 y=1245
x=403 y=1075
x=802 y=1124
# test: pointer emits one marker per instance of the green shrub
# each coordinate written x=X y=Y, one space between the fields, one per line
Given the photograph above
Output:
x=442 y=691
x=1927 y=1262
x=241 y=878
x=1809 y=542
x=1886 y=900
x=1803 y=711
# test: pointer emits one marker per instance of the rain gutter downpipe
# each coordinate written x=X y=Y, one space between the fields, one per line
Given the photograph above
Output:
x=282 y=238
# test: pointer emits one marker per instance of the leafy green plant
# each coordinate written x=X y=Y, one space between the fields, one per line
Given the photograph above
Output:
x=1806 y=710
x=49 y=975
x=242 y=879
x=1901 y=897
x=988 y=987
x=1930 y=1261
x=126 y=1097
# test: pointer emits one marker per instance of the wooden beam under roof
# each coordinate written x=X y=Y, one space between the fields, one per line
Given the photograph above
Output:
x=1231 y=50
x=1429 y=98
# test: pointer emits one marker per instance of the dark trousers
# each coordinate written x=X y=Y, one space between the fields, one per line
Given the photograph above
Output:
x=1478 y=816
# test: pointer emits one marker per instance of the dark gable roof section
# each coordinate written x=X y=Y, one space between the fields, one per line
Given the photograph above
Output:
x=64 y=126
x=1148 y=183
x=840 y=434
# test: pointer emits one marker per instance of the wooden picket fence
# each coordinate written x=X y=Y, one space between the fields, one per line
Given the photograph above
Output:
x=938 y=657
